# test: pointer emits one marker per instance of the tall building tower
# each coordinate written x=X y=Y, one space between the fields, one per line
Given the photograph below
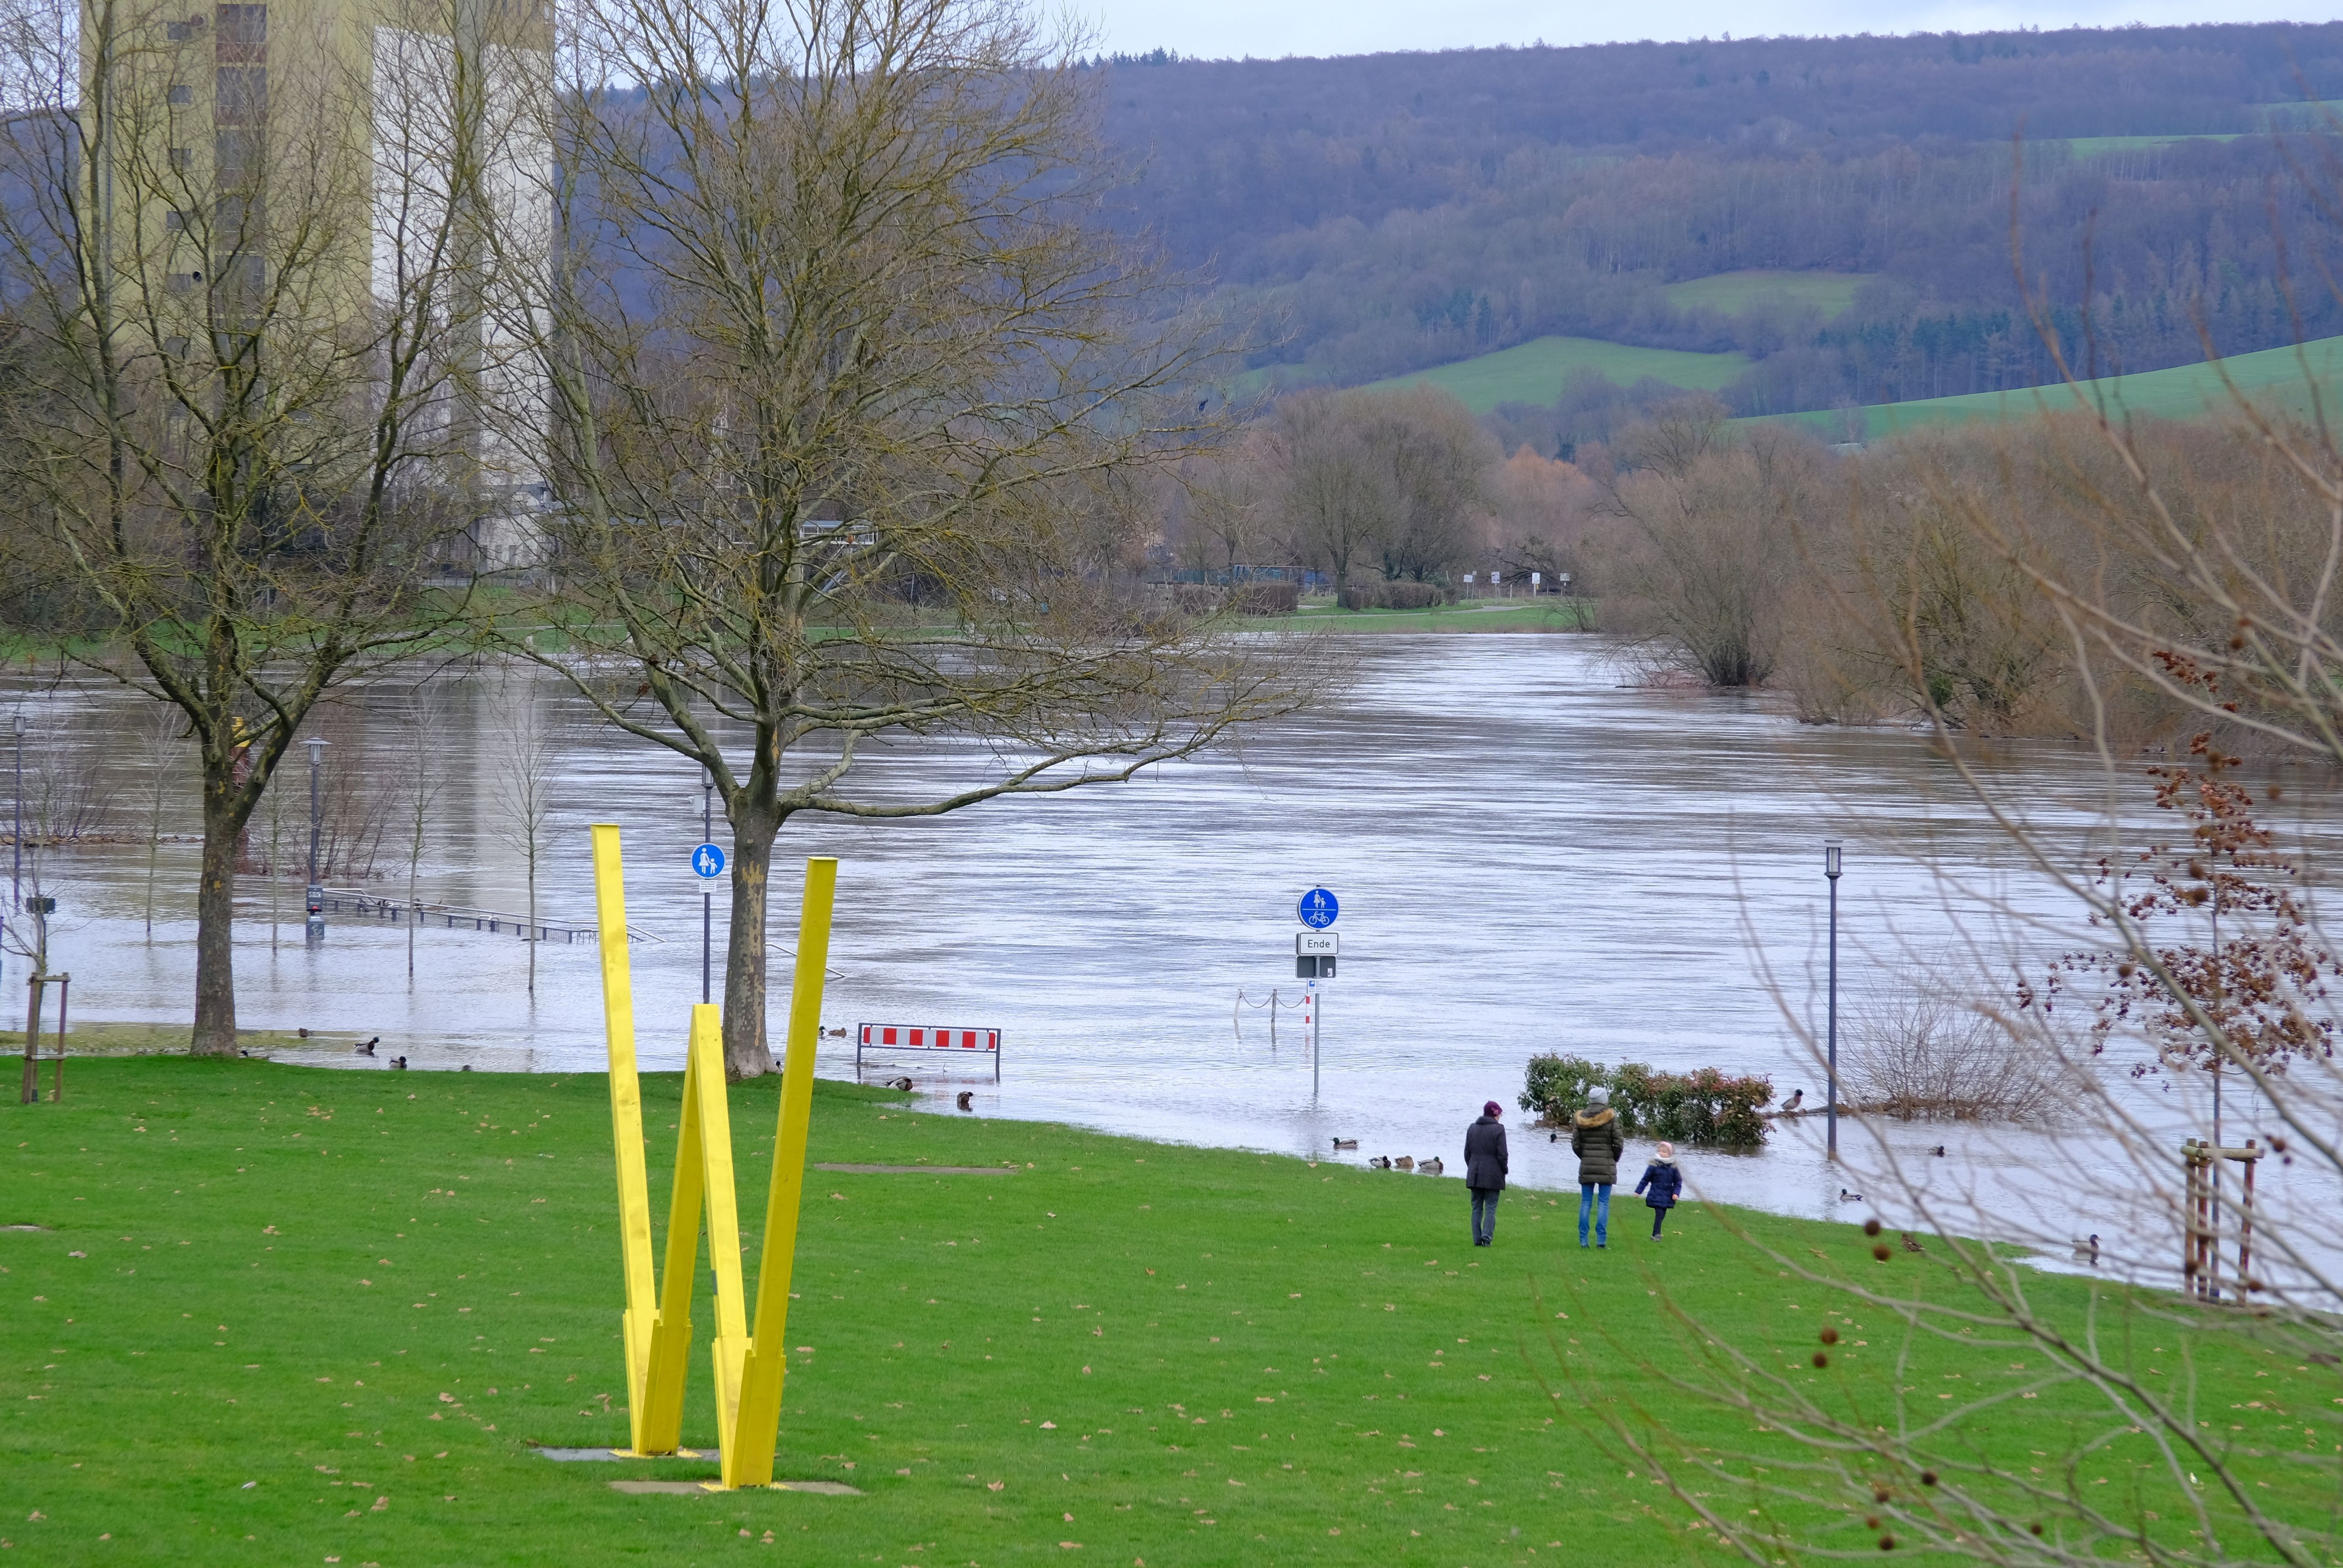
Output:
x=310 y=204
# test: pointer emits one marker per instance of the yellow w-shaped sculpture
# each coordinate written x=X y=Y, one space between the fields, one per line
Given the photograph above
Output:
x=748 y=1365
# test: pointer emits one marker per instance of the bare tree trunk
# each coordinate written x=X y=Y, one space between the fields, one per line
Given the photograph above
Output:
x=746 y=1053
x=214 y=1032
x=531 y=933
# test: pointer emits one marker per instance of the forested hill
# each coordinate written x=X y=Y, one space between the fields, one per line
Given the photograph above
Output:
x=1402 y=211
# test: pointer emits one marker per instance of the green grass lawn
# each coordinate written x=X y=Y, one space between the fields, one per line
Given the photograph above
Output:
x=97 y=1037
x=1470 y=616
x=1115 y=1352
x=1533 y=372
x=2276 y=378
x=1829 y=292
x=2092 y=146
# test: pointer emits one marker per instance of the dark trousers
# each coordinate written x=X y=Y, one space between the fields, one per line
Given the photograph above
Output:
x=1484 y=1214
x=1659 y=1218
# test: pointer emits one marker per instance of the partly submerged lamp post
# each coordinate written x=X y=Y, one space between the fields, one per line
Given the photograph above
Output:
x=706 y=891
x=16 y=867
x=1830 y=869
x=317 y=900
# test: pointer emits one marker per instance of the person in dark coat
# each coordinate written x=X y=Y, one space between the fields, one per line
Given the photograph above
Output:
x=1595 y=1139
x=1661 y=1184
x=1484 y=1171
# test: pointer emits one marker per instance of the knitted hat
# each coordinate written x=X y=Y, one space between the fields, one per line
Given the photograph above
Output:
x=1493 y=1108
x=1598 y=1095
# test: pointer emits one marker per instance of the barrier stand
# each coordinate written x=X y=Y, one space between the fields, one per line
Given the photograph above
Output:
x=748 y=1369
x=926 y=1039
x=2200 y=1248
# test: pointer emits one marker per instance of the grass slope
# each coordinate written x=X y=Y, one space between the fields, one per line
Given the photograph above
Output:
x=1118 y=1352
x=1553 y=614
x=2275 y=378
x=2092 y=146
x=1732 y=291
x=1533 y=372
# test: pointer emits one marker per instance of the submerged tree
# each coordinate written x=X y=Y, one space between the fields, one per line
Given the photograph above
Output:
x=842 y=387
x=521 y=787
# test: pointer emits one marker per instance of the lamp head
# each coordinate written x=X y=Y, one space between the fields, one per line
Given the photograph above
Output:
x=1830 y=858
x=316 y=749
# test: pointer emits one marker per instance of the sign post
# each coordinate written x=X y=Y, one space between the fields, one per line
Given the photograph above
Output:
x=1313 y=960
x=708 y=865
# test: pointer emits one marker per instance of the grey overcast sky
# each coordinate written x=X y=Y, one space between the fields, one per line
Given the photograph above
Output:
x=1231 y=28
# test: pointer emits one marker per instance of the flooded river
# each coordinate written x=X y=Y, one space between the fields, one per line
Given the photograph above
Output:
x=1530 y=856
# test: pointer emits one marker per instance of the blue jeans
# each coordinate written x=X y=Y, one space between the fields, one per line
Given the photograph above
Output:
x=1485 y=1215
x=1597 y=1199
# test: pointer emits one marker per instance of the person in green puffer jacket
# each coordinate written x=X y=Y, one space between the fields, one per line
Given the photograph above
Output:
x=1595 y=1139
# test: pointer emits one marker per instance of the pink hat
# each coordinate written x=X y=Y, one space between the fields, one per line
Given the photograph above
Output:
x=1667 y=1150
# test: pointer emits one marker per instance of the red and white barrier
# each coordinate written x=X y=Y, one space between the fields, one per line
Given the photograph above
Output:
x=901 y=1037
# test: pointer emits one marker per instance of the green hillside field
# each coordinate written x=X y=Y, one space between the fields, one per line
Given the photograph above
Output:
x=1533 y=372
x=1829 y=292
x=2278 y=379
x=2092 y=146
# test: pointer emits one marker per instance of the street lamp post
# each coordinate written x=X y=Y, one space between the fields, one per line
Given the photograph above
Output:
x=2214 y=1170
x=317 y=898
x=16 y=868
x=706 y=893
x=1831 y=870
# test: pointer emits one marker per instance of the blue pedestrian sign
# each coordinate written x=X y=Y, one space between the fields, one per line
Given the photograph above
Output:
x=707 y=862
x=1319 y=909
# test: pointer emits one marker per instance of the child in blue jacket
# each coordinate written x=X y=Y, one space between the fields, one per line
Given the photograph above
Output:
x=1663 y=1182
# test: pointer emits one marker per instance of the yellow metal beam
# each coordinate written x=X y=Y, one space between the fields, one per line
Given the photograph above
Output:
x=705 y=1109
x=750 y=1438
x=625 y=1126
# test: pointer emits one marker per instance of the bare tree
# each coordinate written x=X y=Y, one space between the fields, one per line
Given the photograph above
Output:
x=844 y=484
x=236 y=418
x=1719 y=522
x=1220 y=508
x=1328 y=500
x=1919 y=1055
x=1434 y=462
x=521 y=785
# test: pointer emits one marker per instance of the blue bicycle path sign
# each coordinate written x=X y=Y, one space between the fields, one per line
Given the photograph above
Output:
x=1319 y=909
x=707 y=862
